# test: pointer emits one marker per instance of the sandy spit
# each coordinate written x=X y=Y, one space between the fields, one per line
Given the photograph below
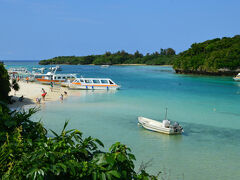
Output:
x=30 y=91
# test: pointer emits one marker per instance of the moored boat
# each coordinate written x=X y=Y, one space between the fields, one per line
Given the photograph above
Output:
x=93 y=83
x=55 y=78
x=67 y=83
x=164 y=127
x=105 y=66
x=56 y=68
x=237 y=77
x=42 y=69
x=20 y=70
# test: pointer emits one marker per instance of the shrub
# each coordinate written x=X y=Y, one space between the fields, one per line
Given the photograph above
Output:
x=27 y=153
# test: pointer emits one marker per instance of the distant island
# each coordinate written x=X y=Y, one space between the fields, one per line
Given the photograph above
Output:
x=212 y=57
x=163 y=57
x=220 y=56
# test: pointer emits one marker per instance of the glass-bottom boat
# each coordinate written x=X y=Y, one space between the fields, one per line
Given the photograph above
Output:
x=93 y=83
x=54 y=78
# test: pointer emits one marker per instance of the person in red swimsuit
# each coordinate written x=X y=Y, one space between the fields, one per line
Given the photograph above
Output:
x=43 y=95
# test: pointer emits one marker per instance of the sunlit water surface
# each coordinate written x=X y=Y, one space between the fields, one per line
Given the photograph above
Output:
x=207 y=107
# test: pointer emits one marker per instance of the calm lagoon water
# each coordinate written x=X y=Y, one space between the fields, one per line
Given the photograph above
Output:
x=207 y=107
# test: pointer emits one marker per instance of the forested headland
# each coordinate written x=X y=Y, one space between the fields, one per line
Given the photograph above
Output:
x=163 y=57
x=213 y=57
x=220 y=56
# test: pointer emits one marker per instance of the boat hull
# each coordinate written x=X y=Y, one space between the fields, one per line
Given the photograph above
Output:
x=47 y=81
x=65 y=84
x=236 y=79
x=93 y=87
x=156 y=126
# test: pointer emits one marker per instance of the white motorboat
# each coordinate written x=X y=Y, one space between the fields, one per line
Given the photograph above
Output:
x=20 y=70
x=164 y=127
x=105 y=66
x=67 y=83
x=237 y=77
x=93 y=83
x=52 y=77
x=56 y=68
x=39 y=69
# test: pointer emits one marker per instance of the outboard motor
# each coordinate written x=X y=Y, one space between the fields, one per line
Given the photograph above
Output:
x=176 y=124
x=176 y=127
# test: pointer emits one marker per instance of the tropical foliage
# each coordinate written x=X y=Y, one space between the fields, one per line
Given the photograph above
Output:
x=4 y=84
x=165 y=56
x=28 y=153
x=212 y=56
x=15 y=85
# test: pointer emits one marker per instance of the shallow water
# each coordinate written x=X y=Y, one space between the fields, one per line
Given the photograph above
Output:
x=207 y=107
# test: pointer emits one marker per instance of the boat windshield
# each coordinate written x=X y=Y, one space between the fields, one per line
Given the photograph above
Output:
x=96 y=81
x=88 y=81
x=104 y=81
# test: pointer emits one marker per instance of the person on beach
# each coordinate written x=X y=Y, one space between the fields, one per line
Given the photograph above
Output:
x=43 y=90
x=18 y=79
x=38 y=100
x=65 y=93
x=43 y=96
x=51 y=84
x=27 y=79
x=21 y=99
x=61 y=97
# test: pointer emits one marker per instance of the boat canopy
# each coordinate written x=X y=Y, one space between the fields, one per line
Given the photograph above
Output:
x=93 y=81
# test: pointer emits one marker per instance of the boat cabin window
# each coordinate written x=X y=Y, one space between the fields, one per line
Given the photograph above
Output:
x=63 y=77
x=54 y=78
x=96 y=81
x=88 y=81
x=68 y=77
x=81 y=80
x=110 y=82
x=59 y=77
x=104 y=81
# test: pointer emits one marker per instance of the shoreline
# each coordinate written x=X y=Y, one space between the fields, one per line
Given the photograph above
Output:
x=217 y=73
x=32 y=90
x=110 y=64
x=140 y=65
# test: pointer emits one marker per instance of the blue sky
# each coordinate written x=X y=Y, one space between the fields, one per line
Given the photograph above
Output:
x=40 y=29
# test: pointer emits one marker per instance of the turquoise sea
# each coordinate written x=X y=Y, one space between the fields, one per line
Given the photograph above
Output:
x=207 y=107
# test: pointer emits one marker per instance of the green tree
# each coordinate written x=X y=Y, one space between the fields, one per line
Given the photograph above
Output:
x=137 y=55
x=4 y=83
x=15 y=86
x=210 y=57
x=170 y=52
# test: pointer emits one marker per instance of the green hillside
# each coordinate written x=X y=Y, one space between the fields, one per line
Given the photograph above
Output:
x=216 y=56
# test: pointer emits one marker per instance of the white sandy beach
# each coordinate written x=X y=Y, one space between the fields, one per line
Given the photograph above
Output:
x=30 y=91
